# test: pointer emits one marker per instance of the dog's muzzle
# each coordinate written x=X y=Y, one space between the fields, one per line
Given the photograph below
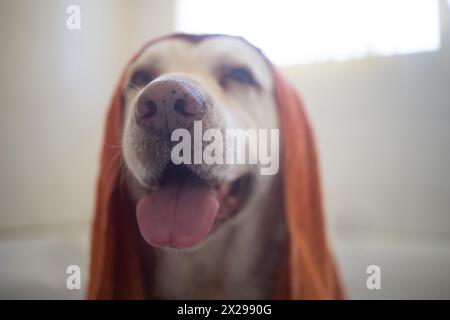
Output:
x=183 y=204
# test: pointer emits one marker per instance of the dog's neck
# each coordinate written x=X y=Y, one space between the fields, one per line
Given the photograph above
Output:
x=239 y=262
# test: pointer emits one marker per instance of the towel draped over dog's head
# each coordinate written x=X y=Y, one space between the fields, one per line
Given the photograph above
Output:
x=306 y=271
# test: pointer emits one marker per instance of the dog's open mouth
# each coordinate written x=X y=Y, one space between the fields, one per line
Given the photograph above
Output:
x=184 y=208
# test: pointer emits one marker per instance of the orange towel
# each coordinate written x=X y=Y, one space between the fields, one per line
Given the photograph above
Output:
x=307 y=270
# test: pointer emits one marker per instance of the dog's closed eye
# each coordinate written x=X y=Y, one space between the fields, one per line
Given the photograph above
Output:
x=141 y=78
x=239 y=75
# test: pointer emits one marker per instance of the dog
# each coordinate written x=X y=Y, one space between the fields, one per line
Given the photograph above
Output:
x=225 y=83
x=175 y=219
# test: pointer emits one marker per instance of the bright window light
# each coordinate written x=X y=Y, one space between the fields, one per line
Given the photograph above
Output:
x=303 y=31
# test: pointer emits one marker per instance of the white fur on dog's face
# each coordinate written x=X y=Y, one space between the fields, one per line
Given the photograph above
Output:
x=232 y=103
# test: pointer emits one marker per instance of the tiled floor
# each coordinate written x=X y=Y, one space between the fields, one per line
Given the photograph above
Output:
x=33 y=265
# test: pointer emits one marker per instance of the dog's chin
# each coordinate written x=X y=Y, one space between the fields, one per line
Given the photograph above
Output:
x=183 y=209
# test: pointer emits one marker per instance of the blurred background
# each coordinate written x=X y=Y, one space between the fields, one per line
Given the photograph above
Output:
x=375 y=76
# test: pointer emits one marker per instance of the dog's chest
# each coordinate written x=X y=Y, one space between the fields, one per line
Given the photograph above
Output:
x=228 y=267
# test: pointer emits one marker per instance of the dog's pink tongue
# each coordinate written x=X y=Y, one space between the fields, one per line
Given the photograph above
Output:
x=177 y=214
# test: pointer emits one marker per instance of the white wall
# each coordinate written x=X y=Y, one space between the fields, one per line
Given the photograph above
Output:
x=384 y=138
x=55 y=85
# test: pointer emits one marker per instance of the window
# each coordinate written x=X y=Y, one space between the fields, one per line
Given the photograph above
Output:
x=302 y=31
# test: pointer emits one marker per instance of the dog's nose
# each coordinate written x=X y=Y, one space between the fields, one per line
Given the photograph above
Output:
x=172 y=102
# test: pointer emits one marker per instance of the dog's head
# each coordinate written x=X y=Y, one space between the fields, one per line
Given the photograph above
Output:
x=174 y=93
